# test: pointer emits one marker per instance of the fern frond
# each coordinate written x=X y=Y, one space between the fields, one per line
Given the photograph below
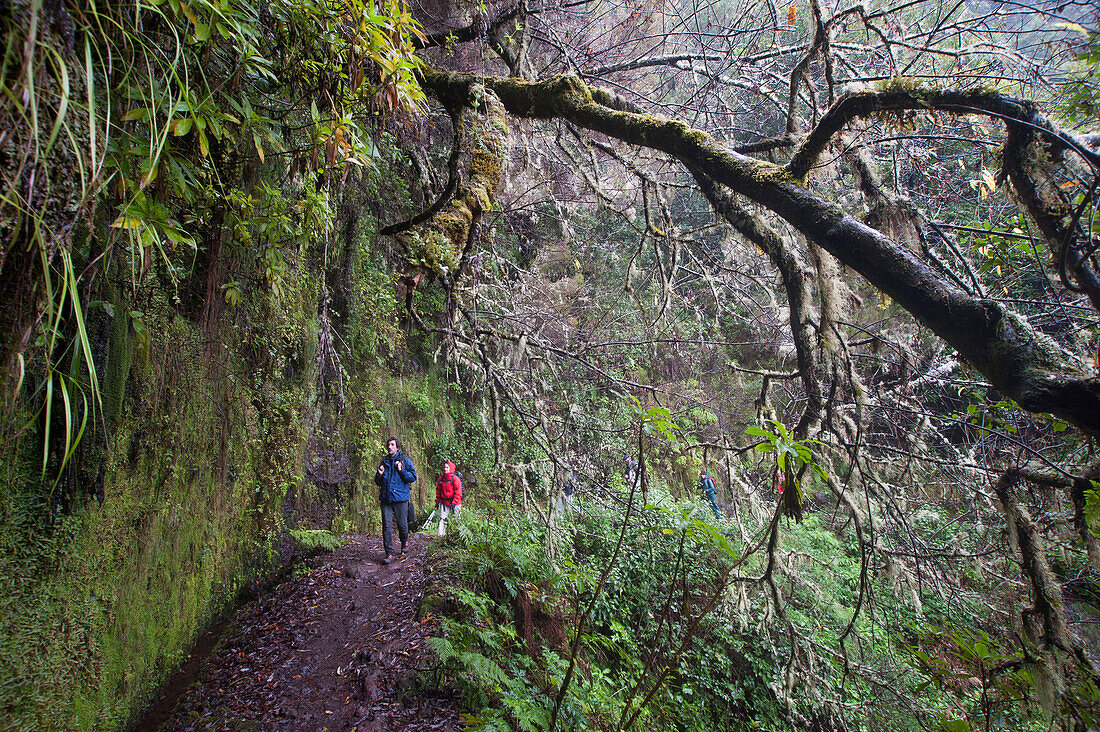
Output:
x=317 y=538
x=531 y=712
x=442 y=648
x=485 y=669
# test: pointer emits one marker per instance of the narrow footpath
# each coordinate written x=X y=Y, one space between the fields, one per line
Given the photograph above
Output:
x=335 y=649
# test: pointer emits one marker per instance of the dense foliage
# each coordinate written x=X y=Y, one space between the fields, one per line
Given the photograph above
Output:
x=176 y=277
x=849 y=249
x=666 y=644
x=686 y=227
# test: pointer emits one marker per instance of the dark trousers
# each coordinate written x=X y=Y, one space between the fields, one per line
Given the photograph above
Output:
x=714 y=505
x=400 y=511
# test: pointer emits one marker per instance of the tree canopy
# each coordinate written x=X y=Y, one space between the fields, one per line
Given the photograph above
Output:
x=944 y=153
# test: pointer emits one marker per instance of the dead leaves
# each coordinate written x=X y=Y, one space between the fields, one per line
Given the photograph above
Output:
x=336 y=648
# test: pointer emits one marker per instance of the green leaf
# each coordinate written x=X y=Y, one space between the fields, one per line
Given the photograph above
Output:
x=761 y=432
x=141 y=113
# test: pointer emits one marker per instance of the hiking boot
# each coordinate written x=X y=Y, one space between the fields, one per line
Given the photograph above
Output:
x=388 y=559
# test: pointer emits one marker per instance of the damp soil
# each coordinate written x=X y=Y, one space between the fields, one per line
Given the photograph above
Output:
x=339 y=647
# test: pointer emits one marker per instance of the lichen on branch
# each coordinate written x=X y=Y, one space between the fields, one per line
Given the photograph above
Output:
x=1021 y=362
x=437 y=245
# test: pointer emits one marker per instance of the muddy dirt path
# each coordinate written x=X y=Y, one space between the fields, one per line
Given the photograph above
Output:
x=336 y=649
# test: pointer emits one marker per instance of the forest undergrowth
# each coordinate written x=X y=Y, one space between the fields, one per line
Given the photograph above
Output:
x=678 y=634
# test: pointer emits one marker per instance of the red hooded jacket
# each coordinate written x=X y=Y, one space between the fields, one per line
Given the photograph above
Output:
x=448 y=487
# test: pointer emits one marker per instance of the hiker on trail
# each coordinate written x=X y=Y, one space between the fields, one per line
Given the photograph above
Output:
x=448 y=494
x=630 y=470
x=569 y=488
x=395 y=473
x=706 y=485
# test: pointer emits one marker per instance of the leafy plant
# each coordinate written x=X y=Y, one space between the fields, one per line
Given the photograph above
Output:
x=685 y=521
x=148 y=117
x=987 y=672
x=317 y=539
x=792 y=458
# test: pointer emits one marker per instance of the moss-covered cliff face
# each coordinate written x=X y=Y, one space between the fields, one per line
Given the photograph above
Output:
x=101 y=598
x=200 y=346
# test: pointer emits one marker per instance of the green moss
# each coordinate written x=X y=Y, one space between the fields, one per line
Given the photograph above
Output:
x=120 y=356
x=99 y=605
x=129 y=584
x=436 y=245
x=902 y=83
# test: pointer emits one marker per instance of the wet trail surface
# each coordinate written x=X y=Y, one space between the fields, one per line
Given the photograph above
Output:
x=336 y=649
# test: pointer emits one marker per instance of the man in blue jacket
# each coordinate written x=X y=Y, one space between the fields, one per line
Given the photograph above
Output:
x=395 y=474
x=706 y=484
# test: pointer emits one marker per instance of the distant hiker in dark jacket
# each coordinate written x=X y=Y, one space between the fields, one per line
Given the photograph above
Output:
x=569 y=488
x=630 y=470
x=448 y=494
x=564 y=499
x=706 y=485
x=394 y=475
x=635 y=479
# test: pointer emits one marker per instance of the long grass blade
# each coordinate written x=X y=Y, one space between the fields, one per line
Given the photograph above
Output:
x=29 y=92
x=82 y=331
x=68 y=420
x=54 y=307
x=46 y=424
x=89 y=85
x=70 y=446
x=21 y=369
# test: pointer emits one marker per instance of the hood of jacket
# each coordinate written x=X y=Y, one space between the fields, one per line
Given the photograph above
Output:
x=448 y=469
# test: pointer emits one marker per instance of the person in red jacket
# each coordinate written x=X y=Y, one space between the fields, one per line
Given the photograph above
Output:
x=448 y=494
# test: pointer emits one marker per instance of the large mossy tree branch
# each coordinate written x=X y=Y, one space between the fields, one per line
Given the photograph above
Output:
x=436 y=240
x=1051 y=210
x=449 y=190
x=903 y=98
x=1020 y=362
x=1030 y=136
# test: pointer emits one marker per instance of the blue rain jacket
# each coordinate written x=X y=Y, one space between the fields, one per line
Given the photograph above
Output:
x=707 y=486
x=393 y=484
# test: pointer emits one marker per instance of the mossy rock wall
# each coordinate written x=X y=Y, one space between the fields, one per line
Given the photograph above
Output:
x=102 y=600
x=200 y=454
